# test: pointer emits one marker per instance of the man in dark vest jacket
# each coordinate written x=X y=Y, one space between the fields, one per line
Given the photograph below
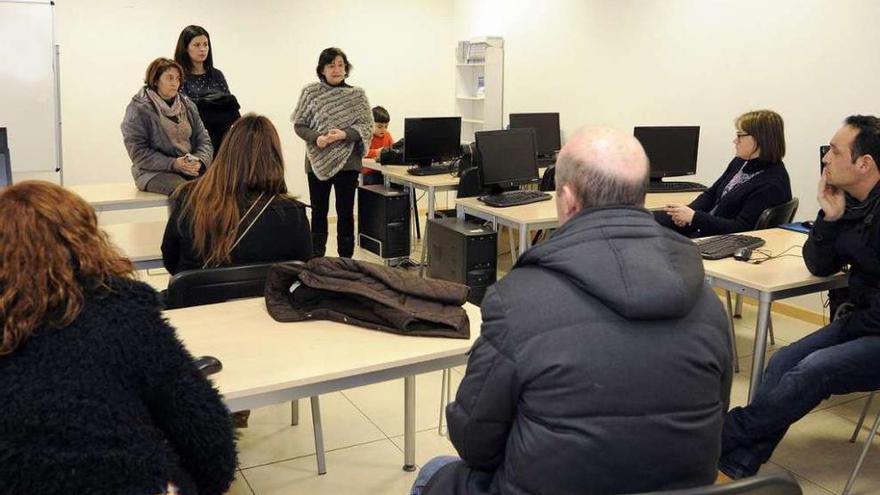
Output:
x=842 y=357
x=604 y=363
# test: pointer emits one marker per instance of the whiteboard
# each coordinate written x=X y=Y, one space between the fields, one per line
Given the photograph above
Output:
x=28 y=85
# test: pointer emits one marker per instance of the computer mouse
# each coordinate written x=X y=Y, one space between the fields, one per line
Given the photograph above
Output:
x=808 y=224
x=208 y=365
x=742 y=254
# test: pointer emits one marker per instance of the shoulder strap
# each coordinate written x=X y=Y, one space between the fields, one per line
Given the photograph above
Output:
x=247 y=229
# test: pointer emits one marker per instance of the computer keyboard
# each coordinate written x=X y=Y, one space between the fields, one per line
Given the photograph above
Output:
x=654 y=187
x=444 y=168
x=722 y=246
x=514 y=198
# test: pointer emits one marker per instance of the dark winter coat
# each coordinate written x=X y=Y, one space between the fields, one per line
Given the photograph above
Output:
x=852 y=240
x=367 y=295
x=603 y=367
x=150 y=148
x=111 y=404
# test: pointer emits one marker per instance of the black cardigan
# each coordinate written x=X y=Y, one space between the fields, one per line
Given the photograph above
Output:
x=739 y=209
x=281 y=233
x=111 y=404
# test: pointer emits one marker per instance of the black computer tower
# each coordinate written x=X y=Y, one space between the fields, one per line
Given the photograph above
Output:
x=464 y=252
x=383 y=221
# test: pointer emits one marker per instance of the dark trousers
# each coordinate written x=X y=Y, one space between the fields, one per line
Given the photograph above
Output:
x=345 y=184
x=798 y=377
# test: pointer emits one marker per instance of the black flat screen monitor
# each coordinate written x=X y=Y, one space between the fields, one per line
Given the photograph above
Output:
x=5 y=163
x=546 y=126
x=823 y=150
x=431 y=139
x=507 y=158
x=671 y=150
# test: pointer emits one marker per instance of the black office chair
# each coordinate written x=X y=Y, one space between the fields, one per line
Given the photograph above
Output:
x=769 y=484
x=548 y=180
x=769 y=218
x=469 y=186
x=214 y=285
x=777 y=215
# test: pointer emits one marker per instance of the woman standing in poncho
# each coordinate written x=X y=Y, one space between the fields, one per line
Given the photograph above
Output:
x=335 y=121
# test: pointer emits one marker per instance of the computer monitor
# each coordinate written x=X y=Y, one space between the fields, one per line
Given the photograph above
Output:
x=825 y=148
x=546 y=126
x=5 y=162
x=671 y=150
x=507 y=158
x=431 y=139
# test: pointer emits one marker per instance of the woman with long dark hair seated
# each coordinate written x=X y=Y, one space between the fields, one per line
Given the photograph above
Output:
x=755 y=180
x=239 y=211
x=98 y=394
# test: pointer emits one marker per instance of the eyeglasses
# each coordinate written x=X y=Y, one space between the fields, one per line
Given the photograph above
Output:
x=740 y=135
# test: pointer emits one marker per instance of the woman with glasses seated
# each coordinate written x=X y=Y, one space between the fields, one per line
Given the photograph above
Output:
x=98 y=393
x=755 y=180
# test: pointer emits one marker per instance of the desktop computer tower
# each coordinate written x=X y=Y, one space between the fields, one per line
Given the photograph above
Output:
x=383 y=221
x=464 y=252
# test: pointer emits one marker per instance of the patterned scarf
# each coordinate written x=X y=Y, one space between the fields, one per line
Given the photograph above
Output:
x=737 y=180
x=174 y=121
x=323 y=107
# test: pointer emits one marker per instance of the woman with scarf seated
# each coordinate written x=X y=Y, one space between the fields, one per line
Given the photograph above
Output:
x=163 y=133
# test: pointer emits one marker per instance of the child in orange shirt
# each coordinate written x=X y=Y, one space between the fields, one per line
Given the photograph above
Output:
x=381 y=139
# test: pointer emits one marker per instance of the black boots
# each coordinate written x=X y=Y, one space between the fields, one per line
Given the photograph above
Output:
x=345 y=246
x=319 y=244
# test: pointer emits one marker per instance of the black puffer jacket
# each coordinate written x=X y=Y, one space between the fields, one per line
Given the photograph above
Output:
x=111 y=404
x=852 y=240
x=603 y=367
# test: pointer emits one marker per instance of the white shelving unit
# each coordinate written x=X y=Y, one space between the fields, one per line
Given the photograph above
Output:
x=479 y=85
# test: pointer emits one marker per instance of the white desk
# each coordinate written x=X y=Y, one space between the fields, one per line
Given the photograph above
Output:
x=431 y=184
x=266 y=362
x=141 y=242
x=118 y=196
x=542 y=215
x=775 y=279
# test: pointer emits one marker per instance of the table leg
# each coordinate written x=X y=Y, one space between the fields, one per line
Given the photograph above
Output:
x=319 y=435
x=760 y=344
x=409 y=423
x=523 y=239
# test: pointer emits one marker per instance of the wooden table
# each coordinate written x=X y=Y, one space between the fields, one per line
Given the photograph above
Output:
x=267 y=362
x=777 y=278
x=141 y=242
x=118 y=196
x=542 y=215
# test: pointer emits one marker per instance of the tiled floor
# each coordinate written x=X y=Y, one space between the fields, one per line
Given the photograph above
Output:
x=363 y=431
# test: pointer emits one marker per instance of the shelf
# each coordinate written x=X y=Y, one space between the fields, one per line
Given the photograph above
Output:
x=472 y=121
x=471 y=98
x=480 y=64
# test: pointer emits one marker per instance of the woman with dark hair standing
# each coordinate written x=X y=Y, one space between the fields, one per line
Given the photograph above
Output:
x=755 y=180
x=239 y=212
x=204 y=84
x=98 y=393
x=335 y=121
x=163 y=133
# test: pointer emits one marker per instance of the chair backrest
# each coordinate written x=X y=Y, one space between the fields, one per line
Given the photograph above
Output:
x=548 y=180
x=469 y=184
x=213 y=285
x=769 y=484
x=777 y=215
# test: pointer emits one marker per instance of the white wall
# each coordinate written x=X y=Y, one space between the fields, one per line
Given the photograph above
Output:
x=680 y=62
x=268 y=50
